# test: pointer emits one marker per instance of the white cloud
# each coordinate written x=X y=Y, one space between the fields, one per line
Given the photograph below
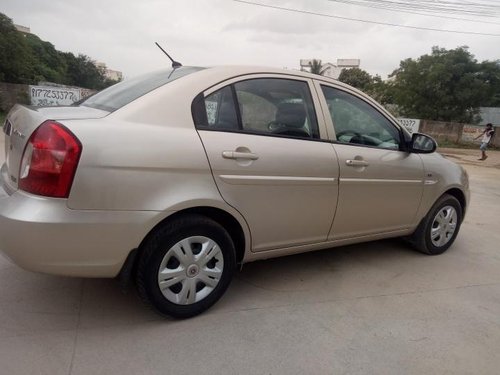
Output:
x=197 y=32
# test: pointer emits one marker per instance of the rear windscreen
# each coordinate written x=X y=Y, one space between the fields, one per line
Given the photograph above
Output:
x=122 y=93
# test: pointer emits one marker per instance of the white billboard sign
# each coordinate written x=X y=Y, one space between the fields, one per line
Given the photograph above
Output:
x=53 y=95
x=411 y=124
x=348 y=62
x=308 y=62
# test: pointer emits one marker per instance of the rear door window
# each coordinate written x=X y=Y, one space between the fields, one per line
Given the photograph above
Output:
x=267 y=106
x=277 y=106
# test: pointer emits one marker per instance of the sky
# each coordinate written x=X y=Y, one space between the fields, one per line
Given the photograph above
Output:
x=121 y=33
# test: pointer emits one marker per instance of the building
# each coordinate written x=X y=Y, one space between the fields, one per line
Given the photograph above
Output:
x=329 y=69
x=489 y=115
x=23 y=29
x=114 y=75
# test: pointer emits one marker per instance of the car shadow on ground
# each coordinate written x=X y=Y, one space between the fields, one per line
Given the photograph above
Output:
x=276 y=281
x=34 y=302
x=336 y=273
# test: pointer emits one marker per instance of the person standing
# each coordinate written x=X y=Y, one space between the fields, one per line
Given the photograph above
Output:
x=486 y=134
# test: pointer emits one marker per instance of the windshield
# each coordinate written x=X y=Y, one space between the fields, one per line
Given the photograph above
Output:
x=122 y=93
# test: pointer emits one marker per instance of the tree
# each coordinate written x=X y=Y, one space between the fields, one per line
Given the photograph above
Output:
x=81 y=71
x=16 y=59
x=28 y=59
x=316 y=67
x=382 y=91
x=490 y=73
x=50 y=63
x=356 y=77
x=371 y=85
x=447 y=85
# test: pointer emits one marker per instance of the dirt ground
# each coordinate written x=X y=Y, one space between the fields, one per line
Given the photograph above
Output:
x=470 y=157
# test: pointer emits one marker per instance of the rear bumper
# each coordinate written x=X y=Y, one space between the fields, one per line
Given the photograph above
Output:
x=44 y=235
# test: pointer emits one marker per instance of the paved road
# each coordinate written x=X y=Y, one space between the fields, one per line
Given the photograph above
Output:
x=371 y=308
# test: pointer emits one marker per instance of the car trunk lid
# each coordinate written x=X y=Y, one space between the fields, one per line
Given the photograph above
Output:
x=21 y=122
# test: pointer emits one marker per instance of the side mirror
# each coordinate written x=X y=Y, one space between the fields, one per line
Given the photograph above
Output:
x=422 y=144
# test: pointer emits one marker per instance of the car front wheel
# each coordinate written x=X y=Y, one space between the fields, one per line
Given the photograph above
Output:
x=186 y=266
x=439 y=228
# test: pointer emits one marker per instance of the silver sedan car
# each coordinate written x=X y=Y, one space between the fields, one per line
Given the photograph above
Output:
x=176 y=178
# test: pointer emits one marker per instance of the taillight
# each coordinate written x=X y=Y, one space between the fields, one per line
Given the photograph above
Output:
x=49 y=161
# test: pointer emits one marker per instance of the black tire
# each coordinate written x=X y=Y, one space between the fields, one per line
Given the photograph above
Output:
x=154 y=251
x=421 y=239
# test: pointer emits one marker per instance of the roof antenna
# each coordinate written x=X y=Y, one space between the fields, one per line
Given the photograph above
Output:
x=175 y=64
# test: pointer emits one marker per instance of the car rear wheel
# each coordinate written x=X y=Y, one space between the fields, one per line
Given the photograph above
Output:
x=186 y=266
x=439 y=228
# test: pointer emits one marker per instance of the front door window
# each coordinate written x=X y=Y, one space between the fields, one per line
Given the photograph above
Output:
x=357 y=122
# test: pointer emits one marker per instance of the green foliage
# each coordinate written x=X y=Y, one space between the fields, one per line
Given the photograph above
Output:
x=447 y=85
x=372 y=85
x=50 y=64
x=383 y=92
x=356 y=77
x=316 y=67
x=28 y=59
x=490 y=73
x=16 y=59
x=82 y=72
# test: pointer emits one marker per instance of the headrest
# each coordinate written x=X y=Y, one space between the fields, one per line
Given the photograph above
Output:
x=292 y=115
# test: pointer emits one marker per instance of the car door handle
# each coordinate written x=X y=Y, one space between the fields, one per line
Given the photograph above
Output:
x=356 y=163
x=239 y=155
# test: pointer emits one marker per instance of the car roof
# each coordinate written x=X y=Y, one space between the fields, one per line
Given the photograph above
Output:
x=248 y=69
x=223 y=72
x=254 y=69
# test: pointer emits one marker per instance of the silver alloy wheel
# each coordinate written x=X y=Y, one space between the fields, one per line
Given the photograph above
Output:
x=444 y=226
x=190 y=270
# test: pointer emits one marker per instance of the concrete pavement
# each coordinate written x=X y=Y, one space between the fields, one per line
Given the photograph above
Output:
x=377 y=308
